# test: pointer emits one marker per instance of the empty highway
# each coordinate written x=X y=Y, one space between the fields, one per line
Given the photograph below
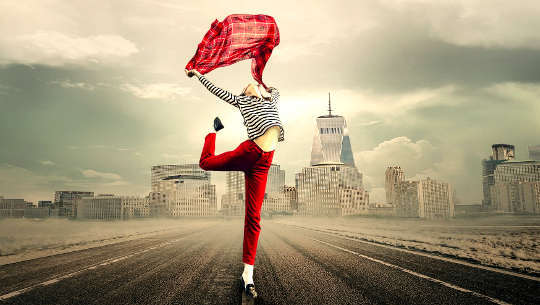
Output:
x=294 y=265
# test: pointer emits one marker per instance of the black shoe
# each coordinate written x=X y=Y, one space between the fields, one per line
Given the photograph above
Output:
x=217 y=124
x=249 y=289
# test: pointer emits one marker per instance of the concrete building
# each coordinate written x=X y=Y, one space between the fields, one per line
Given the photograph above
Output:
x=275 y=199
x=517 y=171
x=393 y=175
x=182 y=190
x=425 y=198
x=292 y=197
x=534 y=152
x=331 y=190
x=500 y=153
x=331 y=143
x=159 y=173
x=331 y=185
x=113 y=207
x=12 y=207
x=45 y=204
x=516 y=187
x=65 y=202
x=36 y=212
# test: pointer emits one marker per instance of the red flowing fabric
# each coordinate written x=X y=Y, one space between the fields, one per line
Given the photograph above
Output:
x=236 y=38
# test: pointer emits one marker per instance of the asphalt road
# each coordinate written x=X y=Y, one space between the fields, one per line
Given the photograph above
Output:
x=294 y=266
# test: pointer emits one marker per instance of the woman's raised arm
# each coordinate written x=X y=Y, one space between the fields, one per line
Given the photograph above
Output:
x=221 y=93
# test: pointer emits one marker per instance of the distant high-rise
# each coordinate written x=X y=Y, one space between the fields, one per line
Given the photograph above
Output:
x=534 y=152
x=331 y=190
x=393 y=175
x=500 y=153
x=182 y=190
x=512 y=181
x=107 y=207
x=66 y=201
x=331 y=143
x=426 y=198
x=275 y=199
x=159 y=172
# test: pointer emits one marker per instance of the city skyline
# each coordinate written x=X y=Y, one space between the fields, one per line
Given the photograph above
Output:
x=77 y=115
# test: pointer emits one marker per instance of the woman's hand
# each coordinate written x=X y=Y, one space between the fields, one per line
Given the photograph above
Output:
x=190 y=73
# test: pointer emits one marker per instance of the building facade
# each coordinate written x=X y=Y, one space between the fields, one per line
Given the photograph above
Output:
x=275 y=199
x=65 y=202
x=331 y=190
x=12 y=207
x=291 y=197
x=500 y=153
x=182 y=190
x=534 y=152
x=516 y=187
x=113 y=207
x=425 y=198
x=393 y=175
x=331 y=142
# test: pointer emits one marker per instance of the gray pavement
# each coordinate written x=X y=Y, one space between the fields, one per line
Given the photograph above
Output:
x=293 y=266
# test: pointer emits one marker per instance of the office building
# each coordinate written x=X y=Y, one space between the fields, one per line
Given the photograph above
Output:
x=12 y=207
x=159 y=173
x=331 y=185
x=393 y=175
x=534 y=152
x=331 y=190
x=517 y=171
x=275 y=199
x=331 y=142
x=66 y=201
x=426 y=198
x=515 y=187
x=500 y=153
x=182 y=190
x=291 y=197
x=113 y=207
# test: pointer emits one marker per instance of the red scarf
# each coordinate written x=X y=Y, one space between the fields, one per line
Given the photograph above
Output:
x=236 y=38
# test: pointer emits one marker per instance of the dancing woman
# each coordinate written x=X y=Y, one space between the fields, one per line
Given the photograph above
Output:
x=253 y=157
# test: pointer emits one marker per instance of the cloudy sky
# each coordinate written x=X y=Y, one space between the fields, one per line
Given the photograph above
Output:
x=93 y=93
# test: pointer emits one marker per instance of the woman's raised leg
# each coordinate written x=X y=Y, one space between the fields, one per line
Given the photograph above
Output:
x=235 y=160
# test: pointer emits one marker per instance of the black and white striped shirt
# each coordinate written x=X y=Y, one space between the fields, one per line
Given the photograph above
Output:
x=259 y=114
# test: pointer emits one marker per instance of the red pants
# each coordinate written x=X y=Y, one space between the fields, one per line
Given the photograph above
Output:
x=249 y=158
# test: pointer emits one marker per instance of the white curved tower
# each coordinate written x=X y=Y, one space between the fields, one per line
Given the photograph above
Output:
x=331 y=143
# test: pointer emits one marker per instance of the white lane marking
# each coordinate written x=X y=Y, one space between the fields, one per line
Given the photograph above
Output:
x=65 y=276
x=446 y=259
x=477 y=294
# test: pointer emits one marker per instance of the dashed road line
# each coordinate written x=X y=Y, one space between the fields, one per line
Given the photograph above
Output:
x=446 y=259
x=423 y=276
x=95 y=266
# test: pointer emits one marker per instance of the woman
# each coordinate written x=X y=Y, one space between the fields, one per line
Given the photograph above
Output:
x=253 y=157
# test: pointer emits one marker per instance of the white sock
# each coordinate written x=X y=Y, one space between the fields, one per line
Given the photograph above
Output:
x=247 y=275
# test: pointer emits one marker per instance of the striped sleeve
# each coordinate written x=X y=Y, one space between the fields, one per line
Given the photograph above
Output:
x=222 y=94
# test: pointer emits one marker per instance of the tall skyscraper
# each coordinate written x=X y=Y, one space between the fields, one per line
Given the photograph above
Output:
x=331 y=143
x=534 y=152
x=500 y=153
x=393 y=175
x=331 y=185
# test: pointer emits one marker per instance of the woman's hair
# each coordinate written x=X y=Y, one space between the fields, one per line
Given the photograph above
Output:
x=258 y=90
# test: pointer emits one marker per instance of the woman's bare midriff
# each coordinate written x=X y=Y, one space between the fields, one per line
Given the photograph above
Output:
x=268 y=140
